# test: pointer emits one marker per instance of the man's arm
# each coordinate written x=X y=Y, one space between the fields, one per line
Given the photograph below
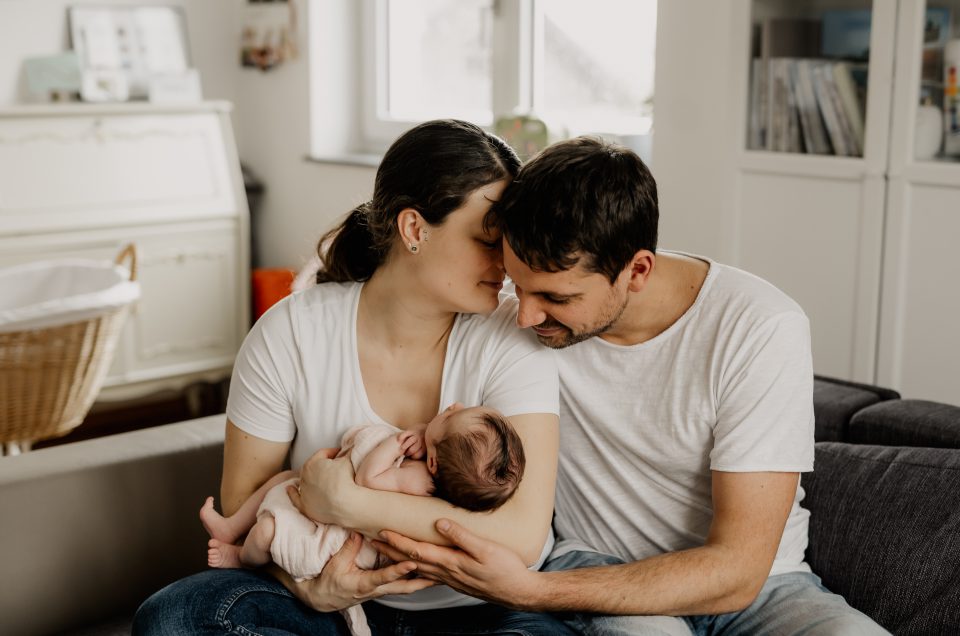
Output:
x=724 y=575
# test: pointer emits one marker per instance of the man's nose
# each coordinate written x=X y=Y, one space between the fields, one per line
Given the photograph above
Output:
x=529 y=313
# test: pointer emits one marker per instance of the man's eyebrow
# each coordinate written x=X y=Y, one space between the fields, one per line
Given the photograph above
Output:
x=546 y=292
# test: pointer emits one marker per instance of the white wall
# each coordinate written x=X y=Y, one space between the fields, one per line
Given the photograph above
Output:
x=274 y=134
x=694 y=167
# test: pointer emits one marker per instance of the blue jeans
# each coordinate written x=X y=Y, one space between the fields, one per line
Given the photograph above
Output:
x=789 y=604
x=251 y=603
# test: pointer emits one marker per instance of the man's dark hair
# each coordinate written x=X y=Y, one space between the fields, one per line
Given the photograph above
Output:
x=581 y=198
x=479 y=469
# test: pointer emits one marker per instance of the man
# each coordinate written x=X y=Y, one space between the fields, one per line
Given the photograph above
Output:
x=686 y=418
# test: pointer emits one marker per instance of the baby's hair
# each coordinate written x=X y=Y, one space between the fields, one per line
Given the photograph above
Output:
x=480 y=468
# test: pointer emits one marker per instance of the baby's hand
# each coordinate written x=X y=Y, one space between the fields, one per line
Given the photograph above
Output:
x=411 y=443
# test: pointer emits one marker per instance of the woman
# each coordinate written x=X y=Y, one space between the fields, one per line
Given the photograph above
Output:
x=405 y=320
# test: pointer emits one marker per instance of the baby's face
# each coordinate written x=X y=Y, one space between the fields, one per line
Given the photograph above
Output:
x=455 y=419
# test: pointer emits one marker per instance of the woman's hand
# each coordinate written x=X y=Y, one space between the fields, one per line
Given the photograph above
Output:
x=480 y=568
x=327 y=489
x=342 y=584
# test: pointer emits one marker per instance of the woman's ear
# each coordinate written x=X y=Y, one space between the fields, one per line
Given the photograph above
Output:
x=412 y=229
x=641 y=266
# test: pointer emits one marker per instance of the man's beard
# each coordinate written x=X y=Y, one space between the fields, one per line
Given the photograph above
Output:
x=568 y=337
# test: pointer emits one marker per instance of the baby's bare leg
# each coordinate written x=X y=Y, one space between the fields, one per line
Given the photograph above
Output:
x=254 y=552
x=229 y=529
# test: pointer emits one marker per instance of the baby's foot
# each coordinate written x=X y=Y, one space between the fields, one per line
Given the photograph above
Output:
x=223 y=555
x=216 y=525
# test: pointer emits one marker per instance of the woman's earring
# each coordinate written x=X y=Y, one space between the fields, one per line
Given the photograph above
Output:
x=414 y=248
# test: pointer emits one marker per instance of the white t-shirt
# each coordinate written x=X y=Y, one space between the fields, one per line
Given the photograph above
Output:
x=297 y=377
x=728 y=387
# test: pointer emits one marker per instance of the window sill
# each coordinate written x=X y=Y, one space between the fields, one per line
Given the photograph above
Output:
x=363 y=160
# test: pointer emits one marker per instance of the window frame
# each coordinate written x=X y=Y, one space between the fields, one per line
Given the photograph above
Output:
x=517 y=51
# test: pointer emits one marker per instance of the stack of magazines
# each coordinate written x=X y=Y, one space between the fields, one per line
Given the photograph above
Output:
x=805 y=105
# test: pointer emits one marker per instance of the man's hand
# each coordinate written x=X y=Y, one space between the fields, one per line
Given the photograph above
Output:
x=480 y=568
x=411 y=443
x=342 y=584
x=326 y=488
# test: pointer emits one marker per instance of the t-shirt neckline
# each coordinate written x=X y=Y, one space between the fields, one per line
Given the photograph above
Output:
x=360 y=389
x=712 y=272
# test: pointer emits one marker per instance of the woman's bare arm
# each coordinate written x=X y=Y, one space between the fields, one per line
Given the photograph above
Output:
x=248 y=462
x=329 y=494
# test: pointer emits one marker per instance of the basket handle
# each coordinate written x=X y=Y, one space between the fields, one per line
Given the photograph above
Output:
x=128 y=252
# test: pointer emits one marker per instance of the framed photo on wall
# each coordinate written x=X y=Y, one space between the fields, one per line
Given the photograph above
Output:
x=135 y=42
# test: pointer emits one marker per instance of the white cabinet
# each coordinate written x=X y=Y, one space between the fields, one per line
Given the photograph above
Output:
x=919 y=344
x=863 y=243
x=83 y=180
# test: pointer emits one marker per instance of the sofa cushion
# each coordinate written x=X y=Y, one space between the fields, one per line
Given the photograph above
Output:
x=885 y=532
x=907 y=423
x=91 y=529
x=836 y=401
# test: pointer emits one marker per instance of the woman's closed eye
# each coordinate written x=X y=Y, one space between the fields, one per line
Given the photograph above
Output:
x=490 y=245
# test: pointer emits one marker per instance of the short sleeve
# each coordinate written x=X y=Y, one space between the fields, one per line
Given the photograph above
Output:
x=765 y=411
x=259 y=403
x=523 y=374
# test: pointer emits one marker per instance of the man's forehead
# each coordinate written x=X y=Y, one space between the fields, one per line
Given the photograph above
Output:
x=566 y=281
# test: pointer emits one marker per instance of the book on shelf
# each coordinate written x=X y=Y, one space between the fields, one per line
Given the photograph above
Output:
x=814 y=133
x=804 y=105
x=847 y=89
x=833 y=117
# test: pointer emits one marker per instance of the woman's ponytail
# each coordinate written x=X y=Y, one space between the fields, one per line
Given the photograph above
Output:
x=432 y=169
x=348 y=252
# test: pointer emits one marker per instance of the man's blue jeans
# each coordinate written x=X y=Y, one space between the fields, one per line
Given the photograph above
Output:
x=789 y=604
x=252 y=603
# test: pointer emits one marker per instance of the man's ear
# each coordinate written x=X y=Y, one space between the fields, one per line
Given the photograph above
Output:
x=411 y=226
x=641 y=266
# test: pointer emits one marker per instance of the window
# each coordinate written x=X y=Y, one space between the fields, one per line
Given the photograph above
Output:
x=582 y=68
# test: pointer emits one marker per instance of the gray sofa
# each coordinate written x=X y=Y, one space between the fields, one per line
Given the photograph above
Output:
x=884 y=500
x=91 y=529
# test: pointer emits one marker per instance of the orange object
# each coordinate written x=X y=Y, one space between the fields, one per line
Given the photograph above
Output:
x=268 y=287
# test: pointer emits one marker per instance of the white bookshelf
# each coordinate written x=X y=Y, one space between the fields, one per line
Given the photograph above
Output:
x=864 y=244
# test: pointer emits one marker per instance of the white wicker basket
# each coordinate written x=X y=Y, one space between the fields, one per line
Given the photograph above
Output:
x=59 y=326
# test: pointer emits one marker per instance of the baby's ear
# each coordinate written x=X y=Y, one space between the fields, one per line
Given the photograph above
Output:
x=432 y=464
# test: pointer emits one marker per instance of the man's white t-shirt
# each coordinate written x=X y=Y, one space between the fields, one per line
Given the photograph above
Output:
x=728 y=387
x=297 y=377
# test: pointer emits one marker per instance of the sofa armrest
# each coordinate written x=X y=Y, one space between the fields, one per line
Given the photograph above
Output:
x=885 y=532
x=835 y=402
x=907 y=423
x=90 y=529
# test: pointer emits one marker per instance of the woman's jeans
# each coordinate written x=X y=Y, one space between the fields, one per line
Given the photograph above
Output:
x=252 y=603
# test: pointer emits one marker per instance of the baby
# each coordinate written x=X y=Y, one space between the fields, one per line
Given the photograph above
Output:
x=473 y=459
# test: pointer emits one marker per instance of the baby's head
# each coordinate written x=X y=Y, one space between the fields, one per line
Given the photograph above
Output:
x=475 y=457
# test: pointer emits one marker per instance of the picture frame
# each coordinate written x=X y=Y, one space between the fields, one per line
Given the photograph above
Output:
x=136 y=41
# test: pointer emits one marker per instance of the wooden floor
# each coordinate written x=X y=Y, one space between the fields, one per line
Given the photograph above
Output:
x=167 y=407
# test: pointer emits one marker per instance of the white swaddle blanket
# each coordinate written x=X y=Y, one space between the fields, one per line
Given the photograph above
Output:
x=302 y=546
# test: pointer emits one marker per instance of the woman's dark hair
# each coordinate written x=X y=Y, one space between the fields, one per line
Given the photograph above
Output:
x=582 y=198
x=431 y=168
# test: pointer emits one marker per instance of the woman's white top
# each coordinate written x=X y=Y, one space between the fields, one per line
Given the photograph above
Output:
x=297 y=378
